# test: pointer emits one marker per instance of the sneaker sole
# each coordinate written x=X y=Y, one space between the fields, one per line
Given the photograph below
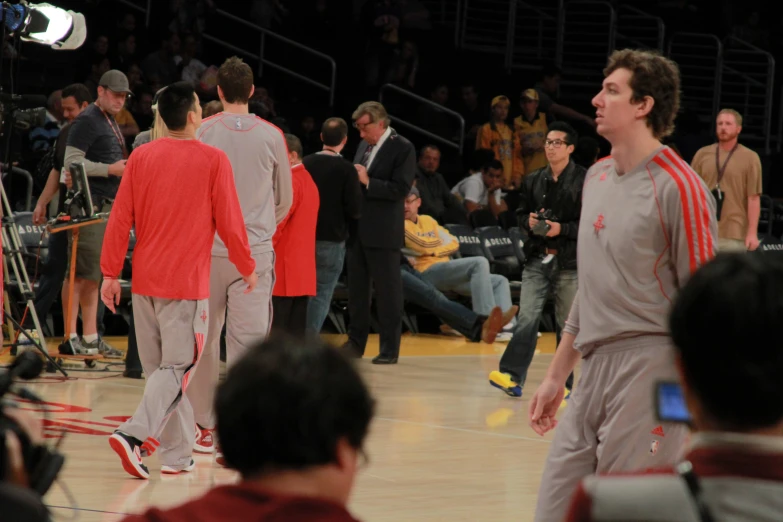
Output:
x=507 y=391
x=121 y=448
x=203 y=449
x=169 y=471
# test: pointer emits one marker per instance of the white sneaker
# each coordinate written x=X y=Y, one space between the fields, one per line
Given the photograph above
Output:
x=168 y=470
x=504 y=337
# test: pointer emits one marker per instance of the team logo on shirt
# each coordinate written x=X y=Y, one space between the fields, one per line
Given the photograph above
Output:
x=203 y=316
x=599 y=223
x=654 y=447
x=238 y=124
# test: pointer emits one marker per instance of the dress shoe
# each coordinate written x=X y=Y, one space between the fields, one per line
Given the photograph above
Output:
x=384 y=359
x=351 y=351
x=132 y=374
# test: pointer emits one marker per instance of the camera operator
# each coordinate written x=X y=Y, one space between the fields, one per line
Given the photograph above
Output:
x=19 y=501
x=95 y=139
x=550 y=202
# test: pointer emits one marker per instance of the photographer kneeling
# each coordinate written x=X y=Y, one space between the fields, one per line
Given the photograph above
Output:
x=549 y=209
x=19 y=501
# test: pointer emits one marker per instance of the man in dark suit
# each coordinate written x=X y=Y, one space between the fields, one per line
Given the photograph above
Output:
x=386 y=165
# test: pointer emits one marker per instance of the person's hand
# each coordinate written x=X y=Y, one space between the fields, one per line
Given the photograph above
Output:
x=68 y=180
x=39 y=214
x=364 y=178
x=31 y=426
x=544 y=406
x=116 y=169
x=252 y=281
x=752 y=242
x=554 y=229
x=110 y=293
x=532 y=221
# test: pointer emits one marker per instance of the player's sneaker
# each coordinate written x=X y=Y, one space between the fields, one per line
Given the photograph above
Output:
x=75 y=346
x=205 y=442
x=105 y=349
x=219 y=457
x=129 y=450
x=509 y=315
x=503 y=381
x=566 y=396
x=169 y=470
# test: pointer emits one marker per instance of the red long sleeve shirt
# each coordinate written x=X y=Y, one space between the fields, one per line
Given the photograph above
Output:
x=176 y=193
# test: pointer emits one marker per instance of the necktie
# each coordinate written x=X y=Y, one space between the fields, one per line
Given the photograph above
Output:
x=366 y=157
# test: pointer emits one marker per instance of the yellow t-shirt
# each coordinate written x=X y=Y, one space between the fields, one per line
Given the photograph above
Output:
x=529 y=141
x=501 y=141
x=741 y=179
x=428 y=243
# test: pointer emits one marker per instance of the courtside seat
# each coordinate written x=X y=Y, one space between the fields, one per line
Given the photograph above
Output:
x=469 y=242
x=499 y=250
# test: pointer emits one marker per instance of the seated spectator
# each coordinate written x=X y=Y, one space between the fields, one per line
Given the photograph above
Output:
x=300 y=463
x=474 y=327
x=499 y=137
x=436 y=198
x=483 y=189
x=726 y=326
x=429 y=247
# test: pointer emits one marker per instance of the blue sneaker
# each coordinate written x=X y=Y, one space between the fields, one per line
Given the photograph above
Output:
x=503 y=381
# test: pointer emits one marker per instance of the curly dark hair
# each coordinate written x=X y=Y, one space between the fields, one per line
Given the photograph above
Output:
x=655 y=76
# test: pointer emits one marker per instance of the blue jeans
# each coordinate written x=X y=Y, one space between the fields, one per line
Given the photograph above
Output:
x=470 y=276
x=417 y=290
x=538 y=280
x=329 y=258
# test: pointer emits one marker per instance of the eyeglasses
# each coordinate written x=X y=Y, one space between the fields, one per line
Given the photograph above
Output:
x=555 y=143
x=362 y=126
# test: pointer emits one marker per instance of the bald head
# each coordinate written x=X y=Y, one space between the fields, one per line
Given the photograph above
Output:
x=334 y=133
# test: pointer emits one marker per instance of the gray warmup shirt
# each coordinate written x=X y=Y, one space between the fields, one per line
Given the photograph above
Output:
x=262 y=175
x=641 y=236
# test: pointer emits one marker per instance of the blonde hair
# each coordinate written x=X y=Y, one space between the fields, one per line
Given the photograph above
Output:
x=737 y=116
x=159 y=129
x=375 y=110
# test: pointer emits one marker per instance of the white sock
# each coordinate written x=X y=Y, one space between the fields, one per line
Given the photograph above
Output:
x=74 y=336
x=89 y=339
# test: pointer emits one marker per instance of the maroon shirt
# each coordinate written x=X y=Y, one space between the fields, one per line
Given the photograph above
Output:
x=245 y=503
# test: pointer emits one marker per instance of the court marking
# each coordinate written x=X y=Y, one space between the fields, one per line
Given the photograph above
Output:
x=88 y=510
x=464 y=430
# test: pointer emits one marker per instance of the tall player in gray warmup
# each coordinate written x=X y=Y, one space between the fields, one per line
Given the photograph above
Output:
x=648 y=222
x=262 y=173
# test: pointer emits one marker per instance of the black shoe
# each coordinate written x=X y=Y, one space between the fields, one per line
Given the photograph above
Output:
x=384 y=359
x=132 y=374
x=351 y=351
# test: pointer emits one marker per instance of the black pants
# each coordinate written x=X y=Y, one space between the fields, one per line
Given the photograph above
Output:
x=289 y=314
x=379 y=267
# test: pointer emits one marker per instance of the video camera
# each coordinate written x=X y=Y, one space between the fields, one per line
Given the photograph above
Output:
x=41 y=463
x=542 y=227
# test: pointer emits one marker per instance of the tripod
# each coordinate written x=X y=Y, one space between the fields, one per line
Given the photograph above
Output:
x=13 y=261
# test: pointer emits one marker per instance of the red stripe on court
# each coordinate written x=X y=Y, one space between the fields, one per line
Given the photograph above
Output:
x=685 y=208
x=705 y=209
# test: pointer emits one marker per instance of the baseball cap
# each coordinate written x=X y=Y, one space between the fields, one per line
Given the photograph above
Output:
x=500 y=99
x=530 y=94
x=414 y=192
x=115 y=80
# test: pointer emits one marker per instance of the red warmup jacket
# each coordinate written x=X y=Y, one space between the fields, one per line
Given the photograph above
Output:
x=242 y=502
x=294 y=240
x=176 y=193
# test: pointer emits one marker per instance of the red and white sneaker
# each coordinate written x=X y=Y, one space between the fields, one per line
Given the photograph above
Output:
x=168 y=470
x=130 y=454
x=219 y=457
x=205 y=441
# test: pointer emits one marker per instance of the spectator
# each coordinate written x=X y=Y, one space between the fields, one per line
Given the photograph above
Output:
x=100 y=65
x=731 y=469
x=499 y=137
x=301 y=462
x=142 y=108
x=311 y=141
x=404 y=66
x=436 y=198
x=125 y=53
x=483 y=189
x=135 y=76
x=212 y=108
x=530 y=130
x=434 y=119
x=340 y=203
x=547 y=90
x=429 y=248
x=470 y=110
x=160 y=64
x=294 y=244
x=191 y=68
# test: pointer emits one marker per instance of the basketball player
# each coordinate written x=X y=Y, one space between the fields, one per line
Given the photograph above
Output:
x=171 y=264
x=262 y=173
x=648 y=221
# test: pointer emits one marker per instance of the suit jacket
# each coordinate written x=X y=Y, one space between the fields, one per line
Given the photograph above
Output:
x=382 y=222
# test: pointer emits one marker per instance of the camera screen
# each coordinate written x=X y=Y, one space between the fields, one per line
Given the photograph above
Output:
x=671 y=403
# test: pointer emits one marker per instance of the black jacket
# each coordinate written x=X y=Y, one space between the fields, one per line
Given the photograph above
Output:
x=566 y=207
x=382 y=220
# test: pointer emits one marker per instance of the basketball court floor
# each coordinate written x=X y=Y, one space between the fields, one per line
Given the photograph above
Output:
x=444 y=446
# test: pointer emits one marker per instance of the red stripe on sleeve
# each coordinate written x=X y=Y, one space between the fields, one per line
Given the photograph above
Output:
x=685 y=209
x=696 y=214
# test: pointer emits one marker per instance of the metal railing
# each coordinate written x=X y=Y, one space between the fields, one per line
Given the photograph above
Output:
x=639 y=30
x=747 y=86
x=532 y=38
x=447 y=13
x=146 y=10
x=262 y=60
x=591 y=28
x=485 y=26
x=424 y=102
x=700 y=58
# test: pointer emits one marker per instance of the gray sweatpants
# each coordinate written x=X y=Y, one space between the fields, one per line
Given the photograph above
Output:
x=248 y=322
x=170 y=334
x=609 y=422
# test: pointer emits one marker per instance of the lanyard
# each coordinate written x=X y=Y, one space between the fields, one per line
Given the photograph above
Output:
x=722 y=169
x=117 y=134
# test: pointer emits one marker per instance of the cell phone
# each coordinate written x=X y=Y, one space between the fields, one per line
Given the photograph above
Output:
x=670 y=403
